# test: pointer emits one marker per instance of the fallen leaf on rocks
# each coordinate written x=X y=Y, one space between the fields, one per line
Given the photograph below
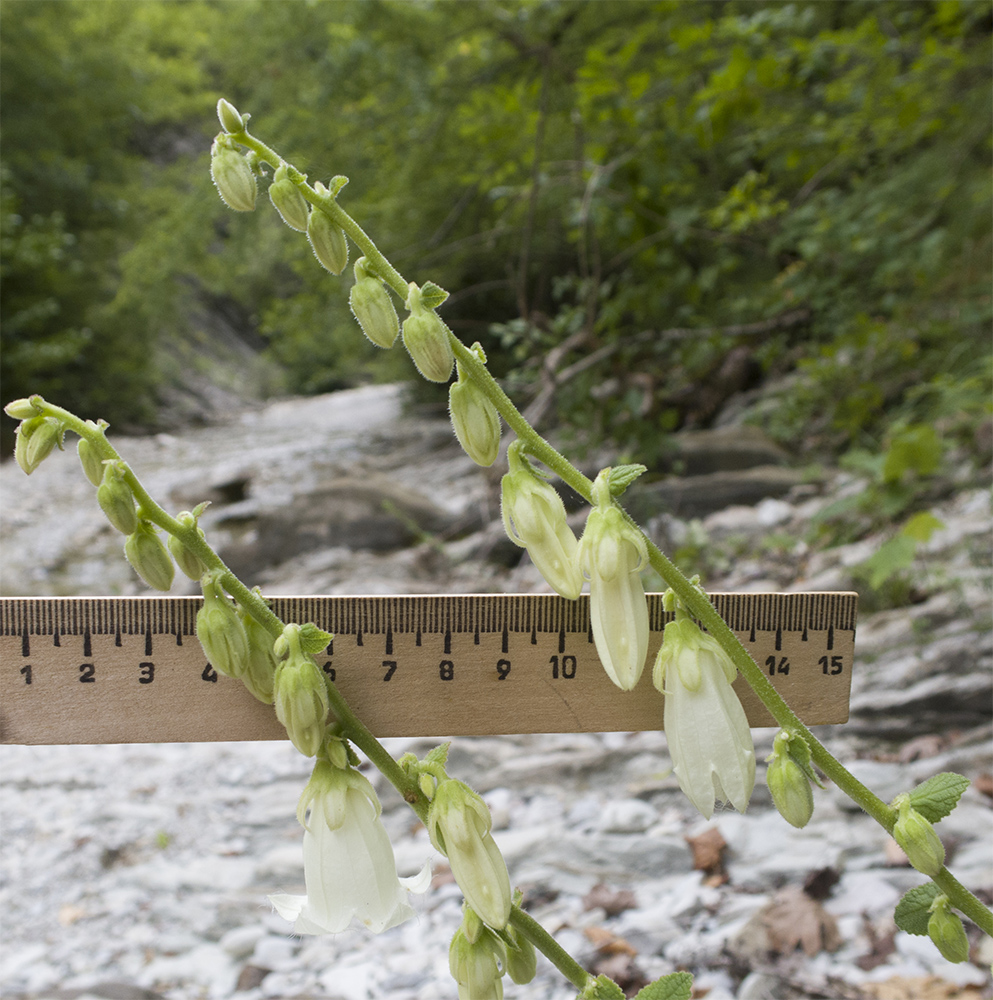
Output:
x=708 y=855
x=882 y=945
x=793 y=918
x=920 y=988
x=818 y=884
x=607 y=942
x=251 y=977
x=611 y=901
x=893 y=852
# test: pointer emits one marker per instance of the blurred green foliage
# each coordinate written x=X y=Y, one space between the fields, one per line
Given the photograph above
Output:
x=683 y=200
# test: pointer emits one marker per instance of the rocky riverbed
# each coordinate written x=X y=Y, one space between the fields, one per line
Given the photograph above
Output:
x=142 y=870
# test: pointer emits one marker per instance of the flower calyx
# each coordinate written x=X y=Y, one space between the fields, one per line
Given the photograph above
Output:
x=149 y=557
x=220 y=630
x=288 y=201
x=917 y=837
x=789 y=776
x=232 y=175
x=372 y=306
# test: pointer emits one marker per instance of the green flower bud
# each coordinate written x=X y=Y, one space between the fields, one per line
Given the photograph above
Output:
x=230 y=119
x=945 y=929
x=21 y=409
x=260 y=668
x=327 y=241
x=91 y=461
x=459 y=825
x=220 y=630
x=372 y=307
x=522 y=962
x=35 y=439
x=477 y=964
x=149 y=557
x=534 y=518
x=790 y=788
x=116 y=499
x=189 y=563
x=475 y=420
x=300 y=694
x=288 y=201
x=426 y=340
x=233 y=178
x=917 y=838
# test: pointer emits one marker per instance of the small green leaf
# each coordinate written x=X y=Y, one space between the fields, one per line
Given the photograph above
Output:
x=676 y=986
x=921 y=526
x=336 y=184
x=622 y=476
x=432 y=295
x=893 y=556
x=439 y=755
x=935 y=798
x=601 y=988
x=314 y=640
x=913 y=911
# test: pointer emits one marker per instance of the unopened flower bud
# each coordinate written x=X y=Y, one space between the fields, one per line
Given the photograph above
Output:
x=288 y=201
x=522 y=962
x=790 y=789
x=260 y=668
x=90 y=460
x=230 y=119
x=116 y=499
x=20 y=409
x=426 y=340
x=534 y=518
x=917 y=838
x=300 y=694
x=328 y=242
x=220 y=630
x=459 y=825
x=945 y=929
x=476 y=961
x=233 y=178
x=372 y=307
x=475 y=420
x=35 y=440
x=149 y=557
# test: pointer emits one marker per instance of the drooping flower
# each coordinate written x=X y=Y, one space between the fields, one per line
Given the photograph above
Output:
x=477 y=959
x=534 y=517
x=348 y=861
x=611 y=556
x=459 y=825
x=709 y=740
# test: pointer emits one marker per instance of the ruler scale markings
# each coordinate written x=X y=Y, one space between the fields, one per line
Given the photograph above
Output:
x=530 y=632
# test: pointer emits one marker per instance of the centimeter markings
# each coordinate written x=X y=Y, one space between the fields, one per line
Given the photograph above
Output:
x=95 y=670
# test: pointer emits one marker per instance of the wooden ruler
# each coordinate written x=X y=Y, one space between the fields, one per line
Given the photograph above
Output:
x=130 y=670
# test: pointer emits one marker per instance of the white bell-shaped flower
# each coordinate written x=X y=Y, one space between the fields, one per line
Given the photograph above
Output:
x=709 y=740
x=348 y=859
x=612 y=555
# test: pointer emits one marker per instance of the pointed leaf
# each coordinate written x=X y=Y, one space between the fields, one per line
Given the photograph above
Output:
x=336 y=184
x=912 y=913
x=676 y=986
x=439 y=755
x=314 y=640
x=432 y=295
x=621 y=477
x=935 y=798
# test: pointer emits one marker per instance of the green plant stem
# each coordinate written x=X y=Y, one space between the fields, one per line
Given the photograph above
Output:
x=692 y=598
x=549 y=947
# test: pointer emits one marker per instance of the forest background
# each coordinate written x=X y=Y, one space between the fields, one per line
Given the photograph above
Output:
x=664 y=203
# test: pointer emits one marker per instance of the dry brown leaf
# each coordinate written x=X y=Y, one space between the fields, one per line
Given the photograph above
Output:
x=611 y=901
x=623 y=970
x=920 y=988
x=708 y=850
x=793 y=918
x=921 y=747
x=984 y=783
x=607 y=942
